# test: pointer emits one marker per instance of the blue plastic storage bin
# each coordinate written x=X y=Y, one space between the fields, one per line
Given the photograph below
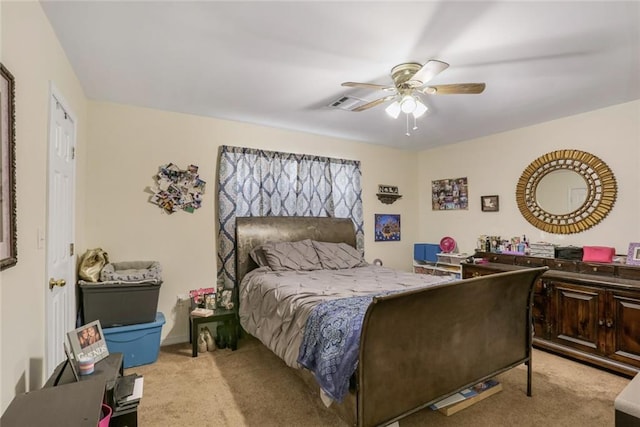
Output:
x=426 y=252
x=139 y=344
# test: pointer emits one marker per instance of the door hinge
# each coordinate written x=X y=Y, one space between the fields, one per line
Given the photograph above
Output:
x=71 y=249
x=73 y=153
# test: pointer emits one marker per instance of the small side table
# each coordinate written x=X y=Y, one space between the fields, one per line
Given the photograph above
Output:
x=228 y=317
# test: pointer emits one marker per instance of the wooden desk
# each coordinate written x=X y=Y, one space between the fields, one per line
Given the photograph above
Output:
x=74 y=404
x=107 y=372
x=108 y=368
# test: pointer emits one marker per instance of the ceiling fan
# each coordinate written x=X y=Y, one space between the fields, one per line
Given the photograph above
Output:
x=409 y=82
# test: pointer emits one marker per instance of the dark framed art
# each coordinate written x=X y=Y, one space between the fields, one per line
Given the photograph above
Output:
x=387 y=228
x=490 y=203
x=8 y=245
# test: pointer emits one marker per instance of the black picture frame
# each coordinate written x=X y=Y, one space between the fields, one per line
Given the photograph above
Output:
x=490 y=203
x=8 y=235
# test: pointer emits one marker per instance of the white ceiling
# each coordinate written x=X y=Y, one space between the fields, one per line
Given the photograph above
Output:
x=281 y=64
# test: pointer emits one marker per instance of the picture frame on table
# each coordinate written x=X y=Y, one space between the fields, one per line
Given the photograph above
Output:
x=210 y=301
x=490 y=203
x=88 y=341
x=633 y=254
x=8 y=236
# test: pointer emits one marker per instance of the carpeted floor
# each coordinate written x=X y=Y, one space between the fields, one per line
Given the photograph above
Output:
x=252 y=387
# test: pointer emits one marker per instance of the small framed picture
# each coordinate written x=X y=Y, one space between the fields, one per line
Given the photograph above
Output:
x=387 y=227
x=633 y=256
x=490 y=203
x=210 y=301
x=88 y=342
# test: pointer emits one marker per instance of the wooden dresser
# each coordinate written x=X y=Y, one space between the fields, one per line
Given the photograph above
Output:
x=587 y=311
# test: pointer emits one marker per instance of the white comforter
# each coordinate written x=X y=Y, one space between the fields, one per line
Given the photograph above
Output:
x=275 y=305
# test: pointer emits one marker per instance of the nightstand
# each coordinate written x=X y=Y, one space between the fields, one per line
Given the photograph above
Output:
x=220 y=315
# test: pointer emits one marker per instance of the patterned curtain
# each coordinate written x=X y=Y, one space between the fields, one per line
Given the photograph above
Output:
x=268 y=183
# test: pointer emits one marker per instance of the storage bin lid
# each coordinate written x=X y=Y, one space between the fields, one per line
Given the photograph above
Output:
x=128 y=328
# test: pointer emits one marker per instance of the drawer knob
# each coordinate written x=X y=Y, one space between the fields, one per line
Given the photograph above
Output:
x=528 y=261
x=600 y=322
x=595 y=268
x=559 y=264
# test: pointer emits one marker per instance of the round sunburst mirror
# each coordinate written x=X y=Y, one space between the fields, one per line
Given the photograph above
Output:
x=566 y=191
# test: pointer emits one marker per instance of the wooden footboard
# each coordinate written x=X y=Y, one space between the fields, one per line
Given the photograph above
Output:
x=421 y=346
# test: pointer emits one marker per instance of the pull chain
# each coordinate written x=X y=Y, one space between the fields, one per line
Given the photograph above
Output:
x=408 y=134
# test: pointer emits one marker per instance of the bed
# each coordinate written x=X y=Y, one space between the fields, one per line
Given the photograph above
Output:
x=417 y=343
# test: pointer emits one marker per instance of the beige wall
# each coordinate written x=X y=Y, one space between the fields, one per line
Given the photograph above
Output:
x=494 y=164
x=31 y=52
x=120 y=148
x=128 y=144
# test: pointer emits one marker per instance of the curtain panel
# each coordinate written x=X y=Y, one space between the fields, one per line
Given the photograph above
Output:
x=254 y=182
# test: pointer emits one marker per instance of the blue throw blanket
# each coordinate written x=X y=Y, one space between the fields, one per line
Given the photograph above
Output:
x=331 y=343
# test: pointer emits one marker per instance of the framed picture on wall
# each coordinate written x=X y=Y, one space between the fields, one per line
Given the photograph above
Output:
x=387 y=227
x=8 y=246
x=490 y=203
x=449 y=194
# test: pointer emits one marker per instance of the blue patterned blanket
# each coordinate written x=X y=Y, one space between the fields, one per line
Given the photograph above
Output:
x=331 y=343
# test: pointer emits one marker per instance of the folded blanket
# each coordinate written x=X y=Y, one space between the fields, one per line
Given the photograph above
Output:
x=331 y=343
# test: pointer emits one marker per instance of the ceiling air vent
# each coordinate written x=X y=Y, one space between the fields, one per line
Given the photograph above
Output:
x=346 y=103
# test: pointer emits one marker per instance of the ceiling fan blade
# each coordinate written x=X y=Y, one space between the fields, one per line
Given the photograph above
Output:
x=452 y=89
x=368 y=86
x=428 y=71
x=373 y=103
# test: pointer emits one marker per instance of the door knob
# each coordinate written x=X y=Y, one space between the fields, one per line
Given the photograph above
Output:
x=53 y=282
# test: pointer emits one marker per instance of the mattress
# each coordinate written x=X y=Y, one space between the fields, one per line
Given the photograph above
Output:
x=274 y=305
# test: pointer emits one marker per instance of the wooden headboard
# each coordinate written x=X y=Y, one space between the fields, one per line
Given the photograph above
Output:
x=256 y=230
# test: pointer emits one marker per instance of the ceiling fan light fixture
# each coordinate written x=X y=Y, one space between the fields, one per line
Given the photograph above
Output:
x=420 y=109
x=393 y=109
x=408 y=104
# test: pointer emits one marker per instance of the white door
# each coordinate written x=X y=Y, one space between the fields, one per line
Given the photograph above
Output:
x=60 y=270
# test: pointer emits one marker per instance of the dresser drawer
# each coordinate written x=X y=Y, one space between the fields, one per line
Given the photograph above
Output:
x=469 y=271
x=563 y=265
x=628 y=272
x=499 y=258
x=596 y=268
x=530 y=261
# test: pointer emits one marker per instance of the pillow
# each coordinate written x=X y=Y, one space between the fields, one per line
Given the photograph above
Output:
x=291 y=255
x=257 y=254
x=334 y=256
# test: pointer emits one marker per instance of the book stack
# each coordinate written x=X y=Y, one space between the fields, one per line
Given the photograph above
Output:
x=128 y=392
x=202 y=312
x=467 y=397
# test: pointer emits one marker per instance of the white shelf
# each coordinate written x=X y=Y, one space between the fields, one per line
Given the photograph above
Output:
x=437 y=268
